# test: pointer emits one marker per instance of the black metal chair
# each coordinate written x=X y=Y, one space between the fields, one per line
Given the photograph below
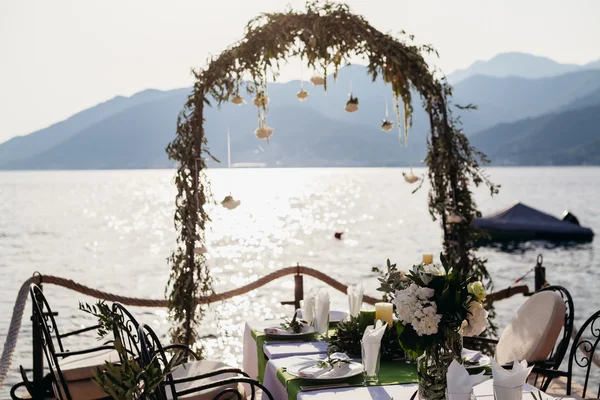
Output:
x=582 y=355
x=562 y=345
x=70 y=371
x=196 y=380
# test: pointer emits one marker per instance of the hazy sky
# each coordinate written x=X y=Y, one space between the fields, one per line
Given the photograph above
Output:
x=59 y=57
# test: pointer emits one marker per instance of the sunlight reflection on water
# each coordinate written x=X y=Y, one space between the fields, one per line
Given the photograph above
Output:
x=113 y=230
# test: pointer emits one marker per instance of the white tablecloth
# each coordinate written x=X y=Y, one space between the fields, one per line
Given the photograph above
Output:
x=250 y=361
x=273 y=350
x=288 y=349
x=484 y=391
x=272 y=383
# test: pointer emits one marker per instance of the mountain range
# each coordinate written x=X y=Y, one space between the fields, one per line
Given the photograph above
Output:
x=547 y=117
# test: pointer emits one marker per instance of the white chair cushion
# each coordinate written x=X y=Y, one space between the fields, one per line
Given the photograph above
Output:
x=84 y=366
x=533 y=331
x=201 y=367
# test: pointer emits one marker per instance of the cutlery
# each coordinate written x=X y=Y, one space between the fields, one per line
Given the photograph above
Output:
x=331 y=386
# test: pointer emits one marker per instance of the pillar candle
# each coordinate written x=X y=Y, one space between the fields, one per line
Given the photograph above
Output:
x=385 y=312
x=366 y=318
x=427 y=259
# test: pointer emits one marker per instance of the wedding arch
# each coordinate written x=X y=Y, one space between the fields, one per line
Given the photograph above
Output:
x=324 y=36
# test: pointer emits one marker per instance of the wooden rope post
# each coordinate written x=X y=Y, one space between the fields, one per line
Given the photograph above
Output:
x=298 y=288
x=540 y=273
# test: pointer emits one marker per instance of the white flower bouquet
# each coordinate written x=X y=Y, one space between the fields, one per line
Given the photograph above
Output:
x=437 y=303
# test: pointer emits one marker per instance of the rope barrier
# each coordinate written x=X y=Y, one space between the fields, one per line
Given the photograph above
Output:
x=15 y=326
x=21 y=301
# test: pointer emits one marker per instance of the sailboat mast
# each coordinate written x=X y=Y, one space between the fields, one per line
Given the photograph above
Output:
x=228 y=150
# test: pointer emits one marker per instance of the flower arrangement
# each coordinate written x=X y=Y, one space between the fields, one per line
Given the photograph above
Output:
x=351 y=104
x=434 y=308
x=387 y=125
x=261 y=99
x=263 y=132
x=238 y=100
x=302 y=95
x=438 y=299
x=318 y=80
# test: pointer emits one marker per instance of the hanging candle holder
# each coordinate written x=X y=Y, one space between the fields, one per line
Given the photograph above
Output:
x=386 y=125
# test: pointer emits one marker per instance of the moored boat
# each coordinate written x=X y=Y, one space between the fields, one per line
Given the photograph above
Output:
x=520 y=222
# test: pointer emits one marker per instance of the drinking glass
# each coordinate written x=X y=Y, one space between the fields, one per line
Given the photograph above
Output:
x=504 y=393
x=370 y=360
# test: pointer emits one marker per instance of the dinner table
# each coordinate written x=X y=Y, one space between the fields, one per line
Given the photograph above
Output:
x=268 y=359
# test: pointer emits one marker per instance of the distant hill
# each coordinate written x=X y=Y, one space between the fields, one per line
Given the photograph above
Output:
x=570 y=137
x=133 y=132
x=21 y=147
x=511 y=99
x=520 y=65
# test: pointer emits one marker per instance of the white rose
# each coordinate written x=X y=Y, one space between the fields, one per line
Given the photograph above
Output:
x=434 y=269
x=476 y=320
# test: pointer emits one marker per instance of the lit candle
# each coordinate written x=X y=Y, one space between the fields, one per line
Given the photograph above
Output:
x=427 y=259
x=385 y=312
x=366 y=318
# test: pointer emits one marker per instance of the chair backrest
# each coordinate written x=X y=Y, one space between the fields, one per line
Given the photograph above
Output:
x=126 y=330
x=44 y=321
x=42 y=303
x=154 y=353
x=533 y=331
x=583 y=353
x=562 y=345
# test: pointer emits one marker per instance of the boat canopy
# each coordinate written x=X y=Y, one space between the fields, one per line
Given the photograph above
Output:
x=521 y=222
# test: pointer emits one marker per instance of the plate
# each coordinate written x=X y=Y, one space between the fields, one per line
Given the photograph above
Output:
x=484 y=361
x=352 y=369
x=334 y=316
x=307 y=331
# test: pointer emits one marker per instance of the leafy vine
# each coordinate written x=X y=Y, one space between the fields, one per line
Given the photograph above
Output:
x=326 y=35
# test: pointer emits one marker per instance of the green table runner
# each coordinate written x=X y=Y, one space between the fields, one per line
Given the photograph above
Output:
x=261 y=338
x=390 y=373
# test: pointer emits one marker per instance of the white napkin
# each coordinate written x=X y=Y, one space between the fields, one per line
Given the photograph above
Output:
x=371 y=343
x=510 y=378
x=276 y=331
x=460 y=383
x=471 y=355
x=355 y=297
x=308 y=308
x=327 y=372
x=321 y=315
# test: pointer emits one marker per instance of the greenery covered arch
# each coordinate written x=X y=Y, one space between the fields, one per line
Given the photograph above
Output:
x=325 y=36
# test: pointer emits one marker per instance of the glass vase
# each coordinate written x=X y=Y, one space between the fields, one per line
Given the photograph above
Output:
x=433 y=365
